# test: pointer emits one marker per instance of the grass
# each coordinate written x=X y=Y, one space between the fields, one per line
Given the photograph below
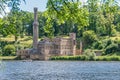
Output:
x=24 y=42
x=8 y=57
x=85 y=58
x=11 y=38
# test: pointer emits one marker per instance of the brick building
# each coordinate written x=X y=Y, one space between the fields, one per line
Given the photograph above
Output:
x=57 y=46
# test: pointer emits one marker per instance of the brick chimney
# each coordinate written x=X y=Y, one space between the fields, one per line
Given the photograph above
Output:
x=35 y=29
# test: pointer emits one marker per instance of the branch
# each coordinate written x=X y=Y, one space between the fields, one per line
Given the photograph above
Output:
x=53 y=6
x=2 y=8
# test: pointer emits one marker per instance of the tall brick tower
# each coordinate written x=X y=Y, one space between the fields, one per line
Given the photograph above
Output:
x=35 y=29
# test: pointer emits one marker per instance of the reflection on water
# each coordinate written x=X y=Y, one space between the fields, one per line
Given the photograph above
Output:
x=60 y=70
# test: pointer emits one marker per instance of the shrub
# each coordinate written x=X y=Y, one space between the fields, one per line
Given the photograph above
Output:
x=113 y=30
x=115 y=58
x=85 y=58
x=89 y=37
x=82 y=57
x=112 y=48
x=109 y=42
x=0 y=51
x=9 y=50
x=108 y=58
x=90 y=54
x=98 y=45
x=19 y=47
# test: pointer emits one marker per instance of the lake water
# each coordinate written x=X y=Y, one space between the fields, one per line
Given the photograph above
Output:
x=59 y=70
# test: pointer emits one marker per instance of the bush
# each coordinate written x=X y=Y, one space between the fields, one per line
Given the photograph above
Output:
x=89 y=37
x=82 y=57
x=109 y=42
x=113 y=30
x=108 y=58
x=90 y=54
x=98 y=45
x=0 y=51
x=115 y=58
x=112 y=48
x=19 y=47
x=9 y=50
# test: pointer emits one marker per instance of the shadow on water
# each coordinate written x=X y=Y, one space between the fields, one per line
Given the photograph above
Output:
x=60 y=70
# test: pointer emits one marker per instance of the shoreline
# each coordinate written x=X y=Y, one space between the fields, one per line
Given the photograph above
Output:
x=8 y=58
x=85 y=58
x=66 y=58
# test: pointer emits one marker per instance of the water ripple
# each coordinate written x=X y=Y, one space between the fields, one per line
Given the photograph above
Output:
x=60 y=70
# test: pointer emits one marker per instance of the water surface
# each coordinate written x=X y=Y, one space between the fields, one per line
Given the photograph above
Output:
x=59 y=70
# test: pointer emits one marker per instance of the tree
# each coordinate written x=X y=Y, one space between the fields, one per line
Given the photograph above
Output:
x=93 y=7
x=15 y=23
x=42 y=22
x=9 y=50
x=13 y=4
x=100 y=24
x=63 y=11
x=89 y=37
x=101 y=16
x=117 y=19
x=27 y=23
x=4 y=29
x=109 y=8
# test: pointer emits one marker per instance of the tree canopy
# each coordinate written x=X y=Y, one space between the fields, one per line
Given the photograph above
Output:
x=93 y=21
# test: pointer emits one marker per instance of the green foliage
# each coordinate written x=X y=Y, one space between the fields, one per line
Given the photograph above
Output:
x=106 y=42
x=85 y=58
x=15 y=24
x=104 y=24
x=9 y=50
x=4 y=30
x=98 y=45
x=112 y=48
x=9 y=58
x=90 y=54
x=89 y=37
x=0 y=52
x=13 y=4
x=82 y=57
x=67 y=13
x=108 y=46
x=108 y=58
x=62 y=17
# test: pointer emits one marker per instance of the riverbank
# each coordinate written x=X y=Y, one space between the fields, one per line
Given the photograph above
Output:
x=71 y=58
x=8 y=58
x=85 y=58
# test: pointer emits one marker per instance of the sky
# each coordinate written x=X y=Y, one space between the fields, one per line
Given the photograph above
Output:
x=30 y=4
